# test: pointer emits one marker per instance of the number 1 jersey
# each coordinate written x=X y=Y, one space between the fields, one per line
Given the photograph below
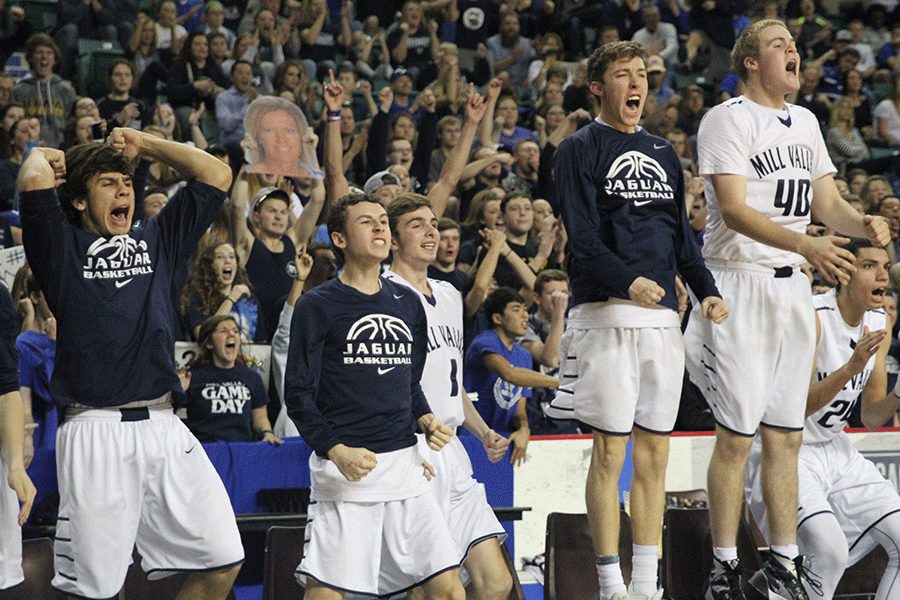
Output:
x=781 y=152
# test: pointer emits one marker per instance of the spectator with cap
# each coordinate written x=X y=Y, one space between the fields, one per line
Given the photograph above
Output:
x=658 y=92
x=401 y=87
x=867 y=63
x=656 y=37
x=384 y=185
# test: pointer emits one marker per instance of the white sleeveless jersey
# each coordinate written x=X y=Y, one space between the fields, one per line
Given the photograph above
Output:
x=442 y=376
x=836 y=344
x=781 y=152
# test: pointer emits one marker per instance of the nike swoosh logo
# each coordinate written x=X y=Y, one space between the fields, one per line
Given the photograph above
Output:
x=383 y=371
x=121 y=283
x=189 y=451
x=642 y=202
x=785 y=122
x=398 y=297
x=659 y=147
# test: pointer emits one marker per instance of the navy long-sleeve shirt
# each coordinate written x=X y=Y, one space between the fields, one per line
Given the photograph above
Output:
x=622 y=200
x=112 y=298
x=354 y=365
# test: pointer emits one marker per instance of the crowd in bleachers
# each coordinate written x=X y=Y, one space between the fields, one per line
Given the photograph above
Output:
x=189 y=71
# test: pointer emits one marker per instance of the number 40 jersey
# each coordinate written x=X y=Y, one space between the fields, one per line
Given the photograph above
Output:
x=781 y=152
x=836 y=344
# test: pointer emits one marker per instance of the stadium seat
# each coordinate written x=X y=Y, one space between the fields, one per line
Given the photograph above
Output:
x=570 y=572
x=861 y=580
x=92 y=68
x=42 y=15
x=687 y=552
x=37 y=563
x=284 y=550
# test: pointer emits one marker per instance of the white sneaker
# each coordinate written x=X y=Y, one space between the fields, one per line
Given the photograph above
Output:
x=634 y=596
x=623 y=595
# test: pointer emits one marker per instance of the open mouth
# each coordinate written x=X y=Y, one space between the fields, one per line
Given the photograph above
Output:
x=634 y=101
x=878 y=294
x=231 y=345
x=791 y=67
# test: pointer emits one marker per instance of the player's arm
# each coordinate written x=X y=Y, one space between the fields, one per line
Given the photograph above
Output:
x=192 y=163
x=494 y=444
x=877 y=406
x=519 y=376
x=830 y=208
x=436 y=433
x=823 y=391
x=824 y=253
x=519 y=438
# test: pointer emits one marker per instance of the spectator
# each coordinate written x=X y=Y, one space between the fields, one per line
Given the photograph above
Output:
x=523 y=173
x=20 y=135
x=322 y=38
x=834 y=74
x=815 y=31
x=550 y=51
x=232 y=105
x=867 y=63
x=508 y=133
x=218 y=285
x=579 y=95
x=658 y=93
x=149 y=70
x=37 y=353
x=190 y=15
x=414 y=43
x=846 y=146
x=859 y=100
x=509 y=52
x=809 y=95
x=373 y=59
x=226 y=400
x=657 y=38
x=476 y=21
x=499 y=370
x=691 y=109
x=14 y=33
x=876 y=188
x=195 y=80
x=119 y=108
x=444 y=266
x=214 y=22
x=889 y=54
x=887 y=114
x=489 y=167
x=712 y=36
x=402 y=87
x=43 y=94
x=290 y=76
x=170 y=36
x=94 y=20
x=448 y=132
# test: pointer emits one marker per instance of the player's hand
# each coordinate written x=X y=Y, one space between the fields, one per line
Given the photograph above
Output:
x=353 y=463
x=125 y=140
x=828 y=257
x=714 y=309
x=877 y=230
x=20 y=482
x=436 y=433
x=495 y=445
x=272 y=439
x=866 y=347
x=645 y=292
x=429 y=470
x=518 y=439
x=333 y=93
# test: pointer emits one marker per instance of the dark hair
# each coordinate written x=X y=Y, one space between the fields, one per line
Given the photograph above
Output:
x=607 y=54
x=207 y=328
x=855 y=245
x=405 y=203
x=185 y=54
x=217 y=151
x=446 y=223
x=337 y=215
x=498 y=300
x=512 y=196
x=112 y=67
x=240 y=62
x=546 y=276
x=83 y=162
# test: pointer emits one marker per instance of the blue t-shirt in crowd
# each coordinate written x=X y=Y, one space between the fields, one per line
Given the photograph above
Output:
x=37 y=353
x=497 y=399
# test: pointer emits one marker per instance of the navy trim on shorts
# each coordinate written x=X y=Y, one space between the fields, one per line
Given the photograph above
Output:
x=781 y=427
x=368 y=594
x=808 y=517
x=657 y=432
x=74 y=595
x=65 y=557
x=604 y=432
x=734 y=431
x=863 y=534
x=59 y=539
x=207 y=570
x=475 y=542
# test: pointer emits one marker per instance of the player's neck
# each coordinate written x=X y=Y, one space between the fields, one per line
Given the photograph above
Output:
x=758 y=93
x=414 y=274
x=362 y=276
x=851 y=313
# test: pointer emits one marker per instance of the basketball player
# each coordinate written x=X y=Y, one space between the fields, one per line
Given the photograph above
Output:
x=414 y=243
x=12 y=463
x=357 y=350
x=130 y=473
x=846 y=506
x=621 y=195
x=766 y=167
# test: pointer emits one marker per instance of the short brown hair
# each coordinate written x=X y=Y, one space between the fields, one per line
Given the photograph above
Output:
x=609 y=53
x=337 y=214
x=83 y=162
x=403 y=204
x=747 y=45
x=546 y=276
x=41 y=40
x=446 y=223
